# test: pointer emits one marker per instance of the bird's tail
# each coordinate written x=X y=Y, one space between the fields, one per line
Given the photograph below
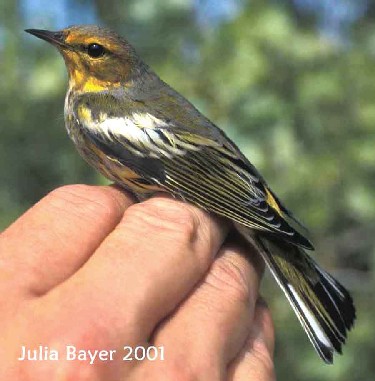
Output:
x=323 y=306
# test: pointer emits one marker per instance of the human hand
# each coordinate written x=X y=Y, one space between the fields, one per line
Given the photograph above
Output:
x=89 y=269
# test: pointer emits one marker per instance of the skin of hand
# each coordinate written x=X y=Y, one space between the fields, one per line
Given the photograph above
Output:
x=86 y=266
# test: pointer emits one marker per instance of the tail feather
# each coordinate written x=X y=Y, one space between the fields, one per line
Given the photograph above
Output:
x=322 y=305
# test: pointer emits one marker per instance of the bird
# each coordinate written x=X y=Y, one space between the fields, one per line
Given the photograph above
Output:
x=143 y=135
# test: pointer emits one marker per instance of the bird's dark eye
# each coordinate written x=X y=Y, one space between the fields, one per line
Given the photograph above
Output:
x=95 y=50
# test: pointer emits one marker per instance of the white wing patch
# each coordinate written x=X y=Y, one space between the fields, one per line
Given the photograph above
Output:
x=145 y=133
x=147 y=121
x=122 y=127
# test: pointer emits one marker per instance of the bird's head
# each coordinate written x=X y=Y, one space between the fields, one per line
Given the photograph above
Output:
x=96 y=58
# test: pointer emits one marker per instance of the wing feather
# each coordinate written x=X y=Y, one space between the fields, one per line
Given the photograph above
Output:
x=222 y=189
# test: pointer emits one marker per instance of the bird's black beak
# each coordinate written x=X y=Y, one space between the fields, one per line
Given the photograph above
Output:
x=55 y=38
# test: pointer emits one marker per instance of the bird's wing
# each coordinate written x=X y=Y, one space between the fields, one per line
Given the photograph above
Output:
x=207 y=172
x=217 y=179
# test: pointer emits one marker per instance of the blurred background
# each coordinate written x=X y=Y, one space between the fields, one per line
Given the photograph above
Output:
x=291 y=81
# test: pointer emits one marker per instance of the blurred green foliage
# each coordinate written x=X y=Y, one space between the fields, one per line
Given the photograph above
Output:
x=300 y=105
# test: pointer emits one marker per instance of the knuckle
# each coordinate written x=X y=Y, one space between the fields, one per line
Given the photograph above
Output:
x=229 y=278
x=166 y=215
x=84 y=199
x=69 y=190
x=263 y=359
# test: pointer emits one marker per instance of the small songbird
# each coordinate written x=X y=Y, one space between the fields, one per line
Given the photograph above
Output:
x=143 y=135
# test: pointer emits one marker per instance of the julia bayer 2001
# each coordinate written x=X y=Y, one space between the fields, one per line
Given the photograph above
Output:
x=72 y=353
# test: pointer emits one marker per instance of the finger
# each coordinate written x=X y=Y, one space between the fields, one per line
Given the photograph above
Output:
x=263 y=326
x=211 y=326
x=143 y=269
x=255 y=362
x=56 y=236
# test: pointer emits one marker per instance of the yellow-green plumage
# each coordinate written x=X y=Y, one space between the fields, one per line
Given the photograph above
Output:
x=137 y=131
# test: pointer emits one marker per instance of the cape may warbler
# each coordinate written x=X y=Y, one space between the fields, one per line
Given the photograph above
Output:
x=139 y=132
